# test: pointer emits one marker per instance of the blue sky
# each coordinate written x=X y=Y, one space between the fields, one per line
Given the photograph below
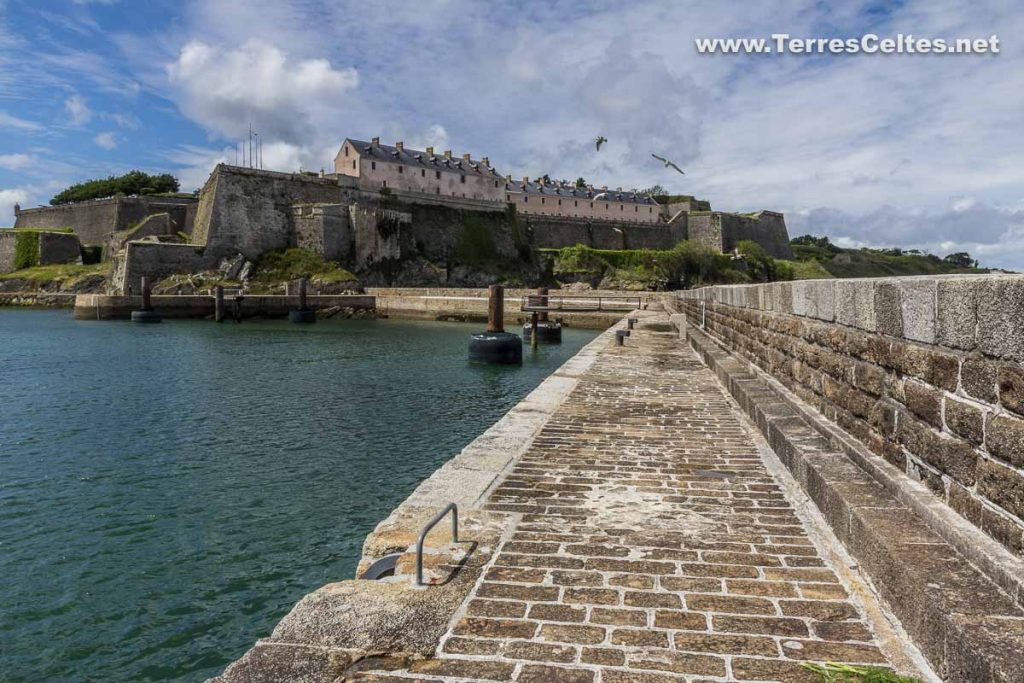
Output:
x=912 y=150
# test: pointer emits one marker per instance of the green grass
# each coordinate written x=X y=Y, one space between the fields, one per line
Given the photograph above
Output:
x=26 y=249
x=809 y=270
x=290 y=264
x=685 y=265
x=66 y=273
x=846 y=673
x=853 y=263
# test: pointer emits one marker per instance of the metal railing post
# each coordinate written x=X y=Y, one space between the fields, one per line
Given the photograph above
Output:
x=454 y=509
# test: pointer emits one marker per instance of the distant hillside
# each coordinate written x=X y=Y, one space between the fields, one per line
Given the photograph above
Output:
x=816 y=257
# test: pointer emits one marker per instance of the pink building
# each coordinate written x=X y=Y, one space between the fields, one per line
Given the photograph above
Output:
x=564 y=199
x=378 y=166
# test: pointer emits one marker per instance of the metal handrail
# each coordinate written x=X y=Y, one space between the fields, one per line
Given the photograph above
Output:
x=423 y=536
x=582 y=303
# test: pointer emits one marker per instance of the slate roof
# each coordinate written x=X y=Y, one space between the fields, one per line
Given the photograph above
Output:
x=418 y=158
x=572 y=192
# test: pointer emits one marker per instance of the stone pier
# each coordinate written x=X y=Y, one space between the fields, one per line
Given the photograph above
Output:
x=628 y=524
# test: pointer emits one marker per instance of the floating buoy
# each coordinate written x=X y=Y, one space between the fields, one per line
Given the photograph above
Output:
x=496 y=346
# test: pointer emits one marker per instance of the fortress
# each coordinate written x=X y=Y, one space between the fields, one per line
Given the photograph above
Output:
x=392 y=215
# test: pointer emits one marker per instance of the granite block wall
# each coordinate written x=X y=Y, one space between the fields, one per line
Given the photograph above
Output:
x=925 y=371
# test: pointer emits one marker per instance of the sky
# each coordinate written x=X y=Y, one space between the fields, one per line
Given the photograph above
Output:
x=916 y=151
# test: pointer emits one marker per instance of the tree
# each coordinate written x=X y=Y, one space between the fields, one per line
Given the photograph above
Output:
x=811 y=241
x=655 y=190
x=131 y=183
x=580 y=182
x=961 y=259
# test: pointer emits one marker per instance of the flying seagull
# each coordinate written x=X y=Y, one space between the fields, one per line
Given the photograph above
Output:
x=600 y=141
x=600 y=195
x=668 y=163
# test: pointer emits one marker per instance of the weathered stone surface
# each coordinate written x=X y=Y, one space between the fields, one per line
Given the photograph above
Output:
x=956 y=313
x=965 y=420
x=1010 y=380
x=917 y=305
x=1005 y=439
x=1003 y=486
x=274 y=662
x=888 y=309
x=978 y=377
x=1001 y=317
x=925 y=402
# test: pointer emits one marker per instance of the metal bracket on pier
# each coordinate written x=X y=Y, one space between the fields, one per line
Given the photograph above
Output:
x=454 y=509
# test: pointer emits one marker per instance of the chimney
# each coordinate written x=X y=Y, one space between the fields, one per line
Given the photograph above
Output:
x=508 y=178
x=465 y=157
x=604 y=188
x=487 y=162
x=430 y=151
x=447 y=154
x=399 y=145
x=375 y=142
x=526 y=180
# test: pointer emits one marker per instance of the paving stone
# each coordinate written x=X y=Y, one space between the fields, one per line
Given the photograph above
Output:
x=653 y=545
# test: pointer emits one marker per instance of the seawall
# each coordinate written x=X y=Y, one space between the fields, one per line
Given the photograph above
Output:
x=470 y=305
x=120 y=307
x=924 y=371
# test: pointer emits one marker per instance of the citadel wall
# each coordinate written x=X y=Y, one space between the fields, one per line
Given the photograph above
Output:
x=95 y=220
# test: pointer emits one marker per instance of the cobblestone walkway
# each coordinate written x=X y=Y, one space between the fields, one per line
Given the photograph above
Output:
x=653 y=545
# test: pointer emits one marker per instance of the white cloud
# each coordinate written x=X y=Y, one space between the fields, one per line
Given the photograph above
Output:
x=226 y=90
x=78 y=110
x=106 y=140
x=9 y=121
x=8 y=198
x=17 y=162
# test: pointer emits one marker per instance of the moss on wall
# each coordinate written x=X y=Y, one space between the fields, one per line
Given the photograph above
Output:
x=475 y=245
x=26 y=249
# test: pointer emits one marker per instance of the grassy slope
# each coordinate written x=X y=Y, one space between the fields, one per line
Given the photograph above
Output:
x=64 y=273
x=816 y=262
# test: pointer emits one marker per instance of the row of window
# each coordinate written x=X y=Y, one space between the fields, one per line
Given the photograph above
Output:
x=423 y=172
x=575 y=202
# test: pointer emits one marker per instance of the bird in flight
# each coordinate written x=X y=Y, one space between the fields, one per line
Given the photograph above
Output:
x=600 y=195
x=668 y=164
x=600 y=141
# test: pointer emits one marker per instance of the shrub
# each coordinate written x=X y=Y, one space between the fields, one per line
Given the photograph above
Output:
x=133 y=182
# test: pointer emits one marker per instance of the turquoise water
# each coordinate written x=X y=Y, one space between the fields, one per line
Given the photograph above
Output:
x=168 y=492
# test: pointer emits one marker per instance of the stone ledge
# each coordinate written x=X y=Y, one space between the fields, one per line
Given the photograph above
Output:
x=968 y=628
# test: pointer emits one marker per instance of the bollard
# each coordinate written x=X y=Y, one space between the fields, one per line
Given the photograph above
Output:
x=541 y=328
x=146 y=314
x=620 y=337
x=630 y=322
x=496 y=346
x=302 y=314
x=496 y=308
x=218 y=304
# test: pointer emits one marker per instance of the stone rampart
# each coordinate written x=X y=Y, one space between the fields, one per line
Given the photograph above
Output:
x=249 y=211
x=157 y=260
x=95 y=220
x=925 y=371
x=555 y=233
x=49 y=248
x=723 y=231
